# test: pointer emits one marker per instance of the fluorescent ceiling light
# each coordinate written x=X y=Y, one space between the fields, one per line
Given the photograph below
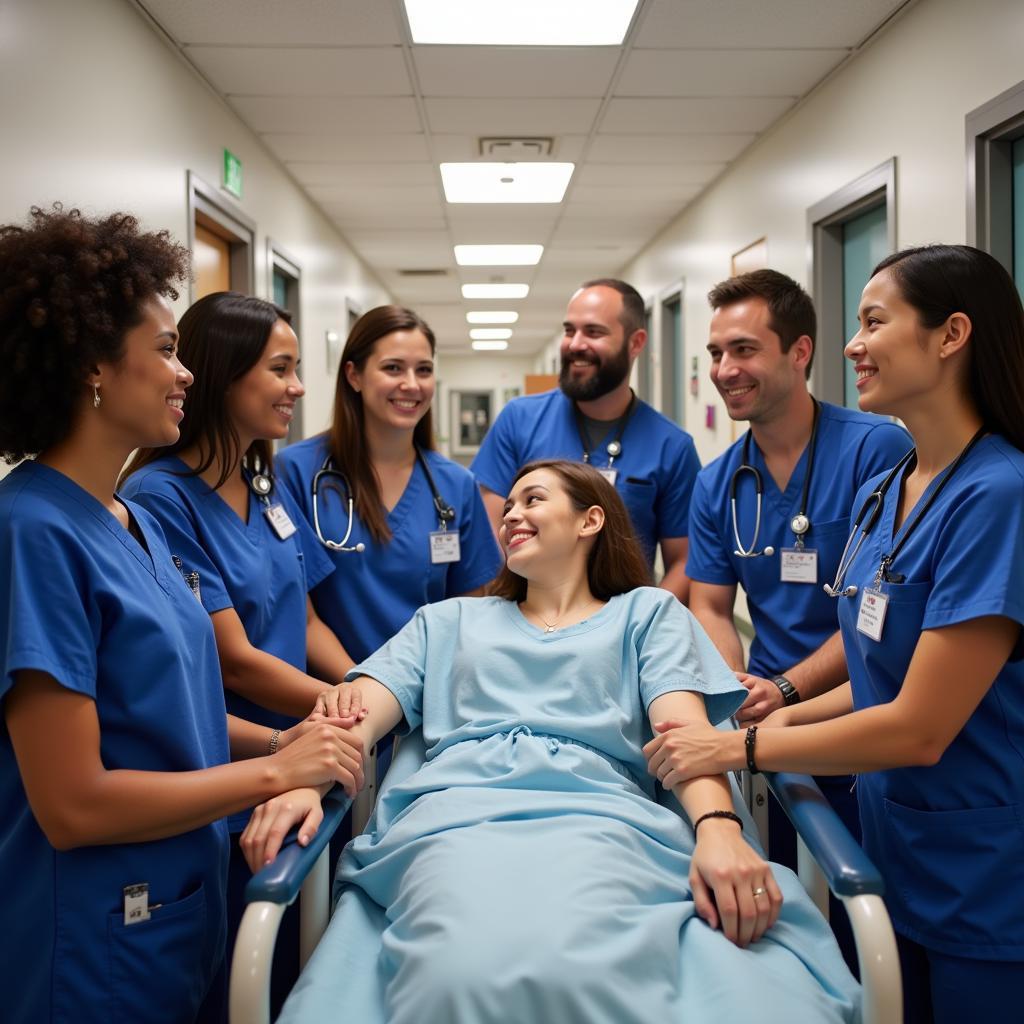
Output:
x=523 y=182
x=490 y=333
x=490 y=346
x=520 y=22
x=483 y=316
x=495 y=291
x=498 y=255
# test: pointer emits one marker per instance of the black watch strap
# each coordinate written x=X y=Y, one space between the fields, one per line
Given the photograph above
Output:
x=790 y=694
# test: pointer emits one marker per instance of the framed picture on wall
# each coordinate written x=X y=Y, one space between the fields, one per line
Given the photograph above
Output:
x=750 y=257
x=471 y=419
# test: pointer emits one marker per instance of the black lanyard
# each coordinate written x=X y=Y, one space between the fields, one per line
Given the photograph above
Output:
x=799 y=524
x=445 y=513
x=909 y=527
x=614 y=447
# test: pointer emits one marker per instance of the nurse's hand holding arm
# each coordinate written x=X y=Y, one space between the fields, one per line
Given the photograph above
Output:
x=733 y=886
x=248 y=739
x=914 y=729
x=818 y=709
x=79 y=802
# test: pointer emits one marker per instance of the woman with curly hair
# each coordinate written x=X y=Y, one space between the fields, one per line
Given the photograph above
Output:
x=115 y=850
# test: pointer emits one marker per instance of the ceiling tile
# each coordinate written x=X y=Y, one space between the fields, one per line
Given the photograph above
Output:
x=669 y=116
x=358 y=175
x=728 y=24
x=304 y=71
x=384 y=197
x=667 y=149
x=511 y=116
x=646 y=175
x=630 y=194
x=349 y=148
x=725 y=72
x=328 y=114
x=272 y=23
x=515 y=71
x=402 y=248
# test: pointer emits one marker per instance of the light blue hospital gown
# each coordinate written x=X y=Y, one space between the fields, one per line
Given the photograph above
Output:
x=526 y=872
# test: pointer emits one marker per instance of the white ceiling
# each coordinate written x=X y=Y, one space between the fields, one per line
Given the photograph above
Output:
x=361 y=118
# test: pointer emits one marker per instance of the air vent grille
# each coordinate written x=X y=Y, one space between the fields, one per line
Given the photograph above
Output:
x=424 y=272
x=511 y=149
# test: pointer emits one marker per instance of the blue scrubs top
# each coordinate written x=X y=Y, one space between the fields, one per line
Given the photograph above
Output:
x=375 y=593
x=790 y=619
x=656 y=469
x=950 y=838
x=84 y=602
x=244 y=566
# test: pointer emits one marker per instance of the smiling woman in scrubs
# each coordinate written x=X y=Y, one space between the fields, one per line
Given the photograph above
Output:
x=381 y=443
x=256 y=558
x=930 y=606
x=113 y=772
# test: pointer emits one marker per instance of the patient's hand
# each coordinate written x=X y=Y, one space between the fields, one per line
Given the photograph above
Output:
x=725 y=874
x=343 y=701
x=684 y=751
x=271 y=822
x=764 y=698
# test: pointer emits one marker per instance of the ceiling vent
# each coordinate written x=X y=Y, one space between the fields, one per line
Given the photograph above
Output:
x=424 y=272
x=509 y=149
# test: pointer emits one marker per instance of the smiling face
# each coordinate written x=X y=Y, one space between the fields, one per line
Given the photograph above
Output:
x=142 y=393
x=261 y=403
x=397 y=380
x=542 y=532
x=596 y=355
x=898 y=361
x=755 y=378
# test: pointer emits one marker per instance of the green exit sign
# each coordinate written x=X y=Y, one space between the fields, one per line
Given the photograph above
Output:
x=232 y=174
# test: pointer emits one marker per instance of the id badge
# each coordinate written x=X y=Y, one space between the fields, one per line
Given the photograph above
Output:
x=278 y=519
x=871 y=619
x=136 y=903
x=444 y=547
x=799 y=565
x=611 y=475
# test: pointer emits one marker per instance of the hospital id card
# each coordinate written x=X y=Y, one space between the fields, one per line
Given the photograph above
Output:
x=136 y=903
x=799 y=565
x=279 y=521
x=444 y=547
x=611 y=475
x=873 y=606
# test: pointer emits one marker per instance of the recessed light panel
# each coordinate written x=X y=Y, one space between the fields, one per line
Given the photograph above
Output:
x=498 y=255
x=495 y=291
x=491 y=333
x=524 y=182
x=483 y=316
x=490 y=346
x=520 y=22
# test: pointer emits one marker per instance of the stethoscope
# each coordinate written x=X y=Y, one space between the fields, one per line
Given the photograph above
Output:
x=259 y=481
x=614 y=447
x=868 y=516
x=799 y=524
x=445 y=512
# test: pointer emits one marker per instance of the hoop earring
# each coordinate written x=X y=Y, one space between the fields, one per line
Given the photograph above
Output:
x=95 y=396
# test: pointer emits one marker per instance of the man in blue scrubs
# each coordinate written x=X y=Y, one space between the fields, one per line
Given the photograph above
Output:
x=595 y=417
x=810 y=459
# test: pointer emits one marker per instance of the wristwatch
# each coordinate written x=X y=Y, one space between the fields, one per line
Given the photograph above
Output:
x=790 y=694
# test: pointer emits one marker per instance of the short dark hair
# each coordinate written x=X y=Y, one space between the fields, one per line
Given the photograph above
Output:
x=220 y=339
x=939 y=280
x=790 y=309
x=633 y=316
x=72 y=288
x=616 y=563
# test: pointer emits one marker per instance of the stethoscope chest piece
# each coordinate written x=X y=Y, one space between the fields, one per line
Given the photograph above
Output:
x=261 y=484
x=614 y=449
x=800 y=524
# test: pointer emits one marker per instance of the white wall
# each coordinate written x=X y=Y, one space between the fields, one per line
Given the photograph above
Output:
x=97 y=111
x=906 y=95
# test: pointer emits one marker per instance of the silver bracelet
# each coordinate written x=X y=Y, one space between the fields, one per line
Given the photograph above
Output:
x=274 y=737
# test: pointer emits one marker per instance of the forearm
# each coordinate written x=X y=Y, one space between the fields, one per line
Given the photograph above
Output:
x=721 y=629
x=821 y=671
x=247 y=739
x=383 y=711
x=677 y=582
x=327 y=658
x=270 y=682
x=833 y=704
x=707 y=793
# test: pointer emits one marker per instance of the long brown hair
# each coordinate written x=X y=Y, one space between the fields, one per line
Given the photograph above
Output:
x=615 y=564
x=347 y=436
x=221 y=337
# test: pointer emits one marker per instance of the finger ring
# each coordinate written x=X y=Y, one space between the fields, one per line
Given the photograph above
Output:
x=759 y=891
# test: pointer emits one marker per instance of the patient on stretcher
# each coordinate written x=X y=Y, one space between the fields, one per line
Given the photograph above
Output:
x=526 y=872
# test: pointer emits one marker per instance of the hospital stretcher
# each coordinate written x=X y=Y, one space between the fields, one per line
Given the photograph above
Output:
x=829 y=859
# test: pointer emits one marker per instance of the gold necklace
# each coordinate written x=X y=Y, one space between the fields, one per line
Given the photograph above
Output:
x=550 y=627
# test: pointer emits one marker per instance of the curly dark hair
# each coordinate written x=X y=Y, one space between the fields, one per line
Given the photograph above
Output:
x=71 y=287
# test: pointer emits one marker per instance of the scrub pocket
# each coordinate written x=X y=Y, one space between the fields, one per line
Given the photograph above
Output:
x=959 y=875
x=159 y=969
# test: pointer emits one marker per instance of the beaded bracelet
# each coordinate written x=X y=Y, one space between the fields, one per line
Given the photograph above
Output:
x=718 y=814
x=749 y=744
